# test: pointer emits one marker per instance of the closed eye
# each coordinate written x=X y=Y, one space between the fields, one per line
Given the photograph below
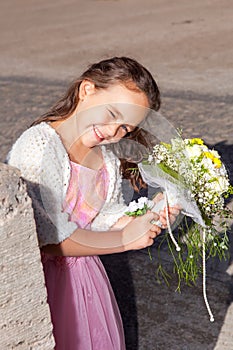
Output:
x=112 y=114
x=124 y=127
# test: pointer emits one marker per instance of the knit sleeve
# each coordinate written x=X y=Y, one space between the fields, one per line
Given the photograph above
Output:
x=44 y=164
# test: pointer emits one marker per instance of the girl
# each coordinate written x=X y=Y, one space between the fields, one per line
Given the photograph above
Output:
x=74 y=182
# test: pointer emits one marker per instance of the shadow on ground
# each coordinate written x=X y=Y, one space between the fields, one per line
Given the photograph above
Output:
x=155 y=316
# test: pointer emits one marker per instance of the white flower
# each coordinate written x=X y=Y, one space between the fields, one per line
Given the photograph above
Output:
x=223 y=246
x=207 y=162
x=141 y=205
x=143 y=200
x=150 y=158
x=215 y=154
x=177 y=144
x=223 y=183
x=133 y=206
x=222 y=170
x=219 y=185
x=193 y=151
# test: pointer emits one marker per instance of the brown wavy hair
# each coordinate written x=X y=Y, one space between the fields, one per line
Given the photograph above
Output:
x=123 y=70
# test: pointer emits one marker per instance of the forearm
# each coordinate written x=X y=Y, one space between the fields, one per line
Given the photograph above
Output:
x=137 y=234
x=87 y=243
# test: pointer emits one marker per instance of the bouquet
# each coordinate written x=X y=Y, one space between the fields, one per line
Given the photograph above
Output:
x=140 y=207
x=194 y=177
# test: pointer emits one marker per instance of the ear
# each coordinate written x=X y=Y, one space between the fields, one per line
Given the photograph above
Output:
x=86 y=88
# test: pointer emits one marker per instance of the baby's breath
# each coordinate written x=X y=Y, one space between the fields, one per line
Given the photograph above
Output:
x=204 y=174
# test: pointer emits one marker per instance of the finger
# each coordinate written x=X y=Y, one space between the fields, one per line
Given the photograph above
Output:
x=177 y=206
x=153 y=218
x=154 y=215
x=163 y=219
x=156 y=230
x=173 y=210
x=159 y=230
x=172 y=218
x=153 y=235
x=150 y=242
x=158 y=197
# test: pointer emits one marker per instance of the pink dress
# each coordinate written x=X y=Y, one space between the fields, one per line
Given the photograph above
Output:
x=83 y=308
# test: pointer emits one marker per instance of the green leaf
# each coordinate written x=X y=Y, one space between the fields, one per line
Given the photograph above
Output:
x=170 y=172
x=167 y=145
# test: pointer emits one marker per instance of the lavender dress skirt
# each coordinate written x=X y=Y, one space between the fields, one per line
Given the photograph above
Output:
x=83 y=308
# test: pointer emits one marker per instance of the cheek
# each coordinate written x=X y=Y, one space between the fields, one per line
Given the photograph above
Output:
x=97 y=116
x=121 y=133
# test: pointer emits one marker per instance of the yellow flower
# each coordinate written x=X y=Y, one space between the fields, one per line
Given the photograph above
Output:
x=196 y=141
x=217 y=162
x=209 y=155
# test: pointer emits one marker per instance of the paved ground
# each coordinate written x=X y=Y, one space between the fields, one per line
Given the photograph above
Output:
x=155 y=316
x=188 y=47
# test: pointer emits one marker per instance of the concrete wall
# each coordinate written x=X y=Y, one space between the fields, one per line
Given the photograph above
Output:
x=25 y=318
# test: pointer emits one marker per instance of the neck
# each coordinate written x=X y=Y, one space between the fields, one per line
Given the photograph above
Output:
x=88 y=157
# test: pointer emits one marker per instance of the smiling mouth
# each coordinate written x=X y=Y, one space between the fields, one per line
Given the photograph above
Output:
x=98 y=134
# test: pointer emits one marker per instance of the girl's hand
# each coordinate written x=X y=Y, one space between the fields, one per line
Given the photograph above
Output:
x=173 y=211
x=140 y=232
x=122 y=222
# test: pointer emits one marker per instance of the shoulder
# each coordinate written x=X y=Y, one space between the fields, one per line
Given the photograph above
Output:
x=38 y=148
x=35 y=138
x=35 y=141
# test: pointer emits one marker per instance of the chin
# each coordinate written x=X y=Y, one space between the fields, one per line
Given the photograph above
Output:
x=90 y=143
x=109 y=142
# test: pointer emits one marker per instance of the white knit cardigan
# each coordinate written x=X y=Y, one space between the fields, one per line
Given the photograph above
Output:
x=45 y=166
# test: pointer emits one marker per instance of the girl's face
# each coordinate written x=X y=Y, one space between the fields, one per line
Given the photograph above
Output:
x=107 y=115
